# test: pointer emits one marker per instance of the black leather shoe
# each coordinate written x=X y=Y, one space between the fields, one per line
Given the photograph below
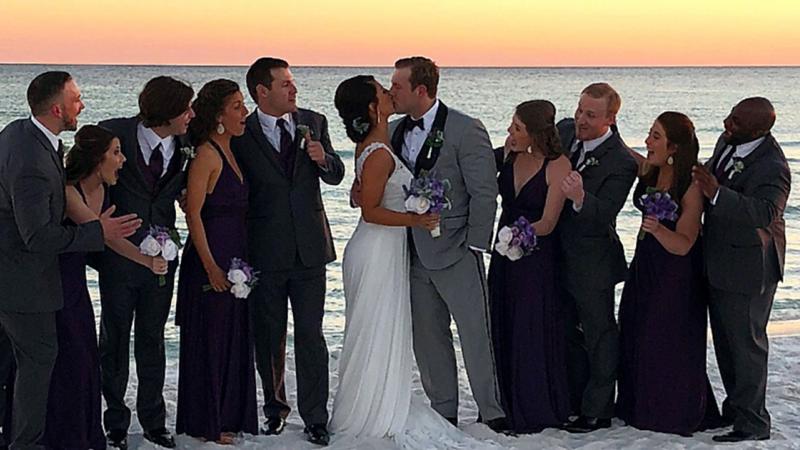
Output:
x=499 y=425
x=273 y=426
x=318 y=434
x=739 y=436
x=117 y=439
x=160 y=437
x=586 y=424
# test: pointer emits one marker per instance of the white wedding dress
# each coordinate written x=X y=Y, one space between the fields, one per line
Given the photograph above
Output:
x=374 y=399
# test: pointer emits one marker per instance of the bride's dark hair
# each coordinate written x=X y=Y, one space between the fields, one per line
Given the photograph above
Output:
x=352 y=100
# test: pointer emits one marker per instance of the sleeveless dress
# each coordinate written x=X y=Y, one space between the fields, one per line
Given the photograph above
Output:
x=73 y=403
x=374 y=398
x=663 y=385
x=216 y=375
x=527 y=328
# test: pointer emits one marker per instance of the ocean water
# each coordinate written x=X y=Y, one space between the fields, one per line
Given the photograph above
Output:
x=705 y=94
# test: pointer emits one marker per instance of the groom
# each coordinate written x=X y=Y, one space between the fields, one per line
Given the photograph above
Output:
x=447 y=272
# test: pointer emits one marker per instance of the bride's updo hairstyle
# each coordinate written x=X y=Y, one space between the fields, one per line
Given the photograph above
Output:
x=352 y=100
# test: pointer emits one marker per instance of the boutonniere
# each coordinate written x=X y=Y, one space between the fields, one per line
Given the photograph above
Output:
x=303 y=130
x=435 y=140
x=189 y=154
x=738 y=167
x=591 y=161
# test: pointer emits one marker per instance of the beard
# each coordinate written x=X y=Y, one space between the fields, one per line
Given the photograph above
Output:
x=69 y=123
x=736 y=138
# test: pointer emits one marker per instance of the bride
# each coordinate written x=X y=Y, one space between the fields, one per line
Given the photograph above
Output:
x=374 y=398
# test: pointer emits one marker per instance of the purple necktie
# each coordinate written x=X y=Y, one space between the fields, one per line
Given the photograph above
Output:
x=156 y=164
x=287 y=147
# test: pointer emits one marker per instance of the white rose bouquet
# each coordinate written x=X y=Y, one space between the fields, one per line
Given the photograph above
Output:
x=163 y=242
x=242 y=277
x=427 y=194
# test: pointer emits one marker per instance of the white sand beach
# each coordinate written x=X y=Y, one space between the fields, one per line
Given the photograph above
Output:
x=783 y=403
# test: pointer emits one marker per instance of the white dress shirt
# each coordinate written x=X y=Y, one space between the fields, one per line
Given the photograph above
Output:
x=414 y=140
x=149 y=140
x=269 y=126
x=742 y=151
x=47 y=133
x=588 y=146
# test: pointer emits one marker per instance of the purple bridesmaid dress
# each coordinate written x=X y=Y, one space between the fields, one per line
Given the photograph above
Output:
x=216 y=385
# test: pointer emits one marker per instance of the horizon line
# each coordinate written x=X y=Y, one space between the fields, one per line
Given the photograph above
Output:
x=323 y=66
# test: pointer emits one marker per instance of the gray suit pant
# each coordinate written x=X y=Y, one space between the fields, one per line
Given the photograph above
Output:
x=35 y=346
x=739 y=326
x=460 y=291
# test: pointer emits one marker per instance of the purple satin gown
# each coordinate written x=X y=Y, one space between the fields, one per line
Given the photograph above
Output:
x=663 y=384
x=527 y=326
x=73 y=404
x=216 y=385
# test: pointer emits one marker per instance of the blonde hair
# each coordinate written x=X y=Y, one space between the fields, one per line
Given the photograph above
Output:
x=604 y=90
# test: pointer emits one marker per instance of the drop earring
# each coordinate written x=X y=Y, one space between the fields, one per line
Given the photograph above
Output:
x=670 y=160
x=220 y=128
x=529 y=150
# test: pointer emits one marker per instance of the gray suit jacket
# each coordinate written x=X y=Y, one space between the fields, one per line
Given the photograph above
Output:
x=32 y=206
x=592 y=255
x=744 y=233
x=286 y=217
x=466 y=159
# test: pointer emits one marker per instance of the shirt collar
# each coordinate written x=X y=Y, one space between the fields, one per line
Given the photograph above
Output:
x=154 y=139
x=430 y=116
x=744 y=150
x=589 y=146
x=270 y=122
x=54 y=140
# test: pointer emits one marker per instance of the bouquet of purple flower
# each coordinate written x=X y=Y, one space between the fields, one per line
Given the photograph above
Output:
x=427 y=193
x=516 y=240
x=163 y=242
x=658 y=204
x=242 y=277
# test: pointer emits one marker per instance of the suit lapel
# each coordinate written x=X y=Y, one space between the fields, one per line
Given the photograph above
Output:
x=174 y=167
x=731 y=178
x=598 y=153
x=47 y=146
x=133 y=152
x=428 y=155
x=266 y=148
x=296 y=118
x=712 y=162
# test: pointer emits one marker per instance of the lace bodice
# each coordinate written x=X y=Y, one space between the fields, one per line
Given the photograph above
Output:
x=393 y=194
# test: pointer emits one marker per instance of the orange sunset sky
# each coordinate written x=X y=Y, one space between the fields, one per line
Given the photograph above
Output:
x=375 y=33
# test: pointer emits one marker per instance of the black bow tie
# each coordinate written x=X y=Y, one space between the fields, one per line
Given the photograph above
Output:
x=411 y=124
